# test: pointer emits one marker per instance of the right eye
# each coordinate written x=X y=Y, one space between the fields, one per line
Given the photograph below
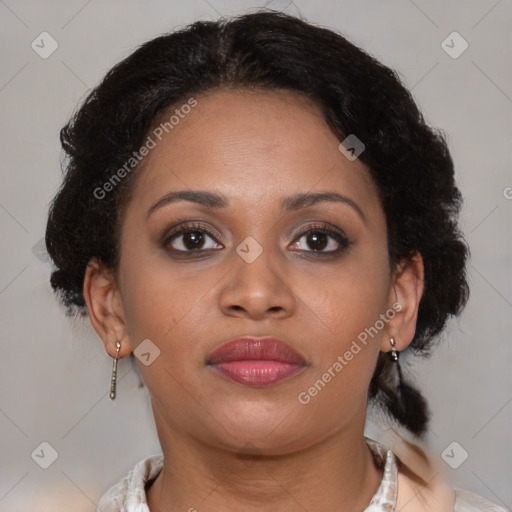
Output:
x=190 y=238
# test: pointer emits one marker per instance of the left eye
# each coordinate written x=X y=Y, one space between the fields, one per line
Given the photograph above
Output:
x=322 y=240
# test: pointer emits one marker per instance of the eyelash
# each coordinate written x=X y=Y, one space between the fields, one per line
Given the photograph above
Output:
x=338 y=236
x=187 y=228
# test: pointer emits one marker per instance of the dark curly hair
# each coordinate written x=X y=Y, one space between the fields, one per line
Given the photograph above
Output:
x=408 y=160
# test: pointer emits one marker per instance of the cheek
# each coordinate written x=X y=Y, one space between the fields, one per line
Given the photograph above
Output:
x=345 y=350
x=167 y=307
x=160 y=302
x=344 y=300
x=345 y=325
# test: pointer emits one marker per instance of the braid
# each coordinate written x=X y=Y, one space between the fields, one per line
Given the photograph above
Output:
x=399 y=399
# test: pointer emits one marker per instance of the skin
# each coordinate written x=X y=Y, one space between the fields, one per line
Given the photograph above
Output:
x=255 y=148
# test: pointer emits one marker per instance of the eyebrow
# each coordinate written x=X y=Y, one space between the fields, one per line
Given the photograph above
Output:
x=214 y=200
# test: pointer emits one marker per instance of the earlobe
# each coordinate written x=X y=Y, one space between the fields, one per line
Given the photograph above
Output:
x=104 y=306
x=407 y=290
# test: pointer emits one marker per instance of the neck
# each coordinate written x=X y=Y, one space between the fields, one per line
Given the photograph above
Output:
x=338 y=473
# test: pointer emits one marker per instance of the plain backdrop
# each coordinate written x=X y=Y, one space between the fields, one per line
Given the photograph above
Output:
x=55 y=374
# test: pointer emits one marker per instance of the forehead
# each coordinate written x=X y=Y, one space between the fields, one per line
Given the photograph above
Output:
x=251 y=145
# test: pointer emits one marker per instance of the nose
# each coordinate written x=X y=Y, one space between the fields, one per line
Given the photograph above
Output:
x=257 y=289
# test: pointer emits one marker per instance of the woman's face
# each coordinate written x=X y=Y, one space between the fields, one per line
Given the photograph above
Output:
x=258 y=273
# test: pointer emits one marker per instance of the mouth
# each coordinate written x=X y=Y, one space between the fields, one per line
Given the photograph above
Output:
x=256 y=362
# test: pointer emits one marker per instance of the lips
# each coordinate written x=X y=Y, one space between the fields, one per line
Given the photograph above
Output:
x=256 y=362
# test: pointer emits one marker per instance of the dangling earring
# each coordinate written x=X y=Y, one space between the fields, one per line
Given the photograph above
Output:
x=397 y=373
x=394 y=353
x=114 y=373
x=407 y=403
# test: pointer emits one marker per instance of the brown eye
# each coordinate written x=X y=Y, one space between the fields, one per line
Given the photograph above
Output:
x=321 y=240
x=317 y=241
x=191 y=239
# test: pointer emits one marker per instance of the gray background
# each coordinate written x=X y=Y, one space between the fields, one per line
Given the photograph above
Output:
x=55 y=374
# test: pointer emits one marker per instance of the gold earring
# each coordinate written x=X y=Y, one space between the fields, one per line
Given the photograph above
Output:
x=394 y=353
x=114 y=373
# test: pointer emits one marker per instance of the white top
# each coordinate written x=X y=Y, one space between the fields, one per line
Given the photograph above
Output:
x=129 y=495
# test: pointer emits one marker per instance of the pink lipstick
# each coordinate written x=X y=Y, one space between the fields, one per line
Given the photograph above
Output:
x=256 y=362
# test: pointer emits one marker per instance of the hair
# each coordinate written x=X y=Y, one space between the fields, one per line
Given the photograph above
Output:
x=266 y=50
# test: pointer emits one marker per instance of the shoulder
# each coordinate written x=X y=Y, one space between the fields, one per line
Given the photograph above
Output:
x=467 y=501
x=128 y=495
x=423 y=486
x=438 y=496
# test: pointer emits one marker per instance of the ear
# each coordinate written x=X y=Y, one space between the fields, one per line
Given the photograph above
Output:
x=406 y=290
x=104 y=304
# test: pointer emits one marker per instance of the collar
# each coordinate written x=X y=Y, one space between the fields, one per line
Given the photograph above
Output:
x=129 y=494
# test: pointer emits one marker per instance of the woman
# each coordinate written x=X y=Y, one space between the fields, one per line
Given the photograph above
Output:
x=257 y=212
